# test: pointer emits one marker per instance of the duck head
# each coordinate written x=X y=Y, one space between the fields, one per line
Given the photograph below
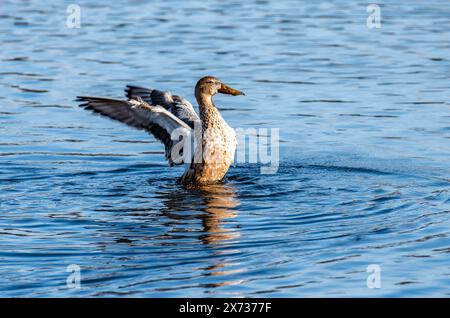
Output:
x=209 y=86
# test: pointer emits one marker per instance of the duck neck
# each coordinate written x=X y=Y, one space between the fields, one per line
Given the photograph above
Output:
x=208 y=112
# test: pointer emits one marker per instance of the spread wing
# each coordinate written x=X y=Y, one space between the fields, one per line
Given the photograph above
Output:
x=139 y=114
x=177 y=105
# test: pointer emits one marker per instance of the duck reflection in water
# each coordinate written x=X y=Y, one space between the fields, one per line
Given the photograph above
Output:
x=213 y=204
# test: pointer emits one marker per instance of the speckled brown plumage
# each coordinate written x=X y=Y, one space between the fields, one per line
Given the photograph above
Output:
x=217 y=151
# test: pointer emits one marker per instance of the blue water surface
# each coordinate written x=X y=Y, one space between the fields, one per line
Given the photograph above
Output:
x=364 y=176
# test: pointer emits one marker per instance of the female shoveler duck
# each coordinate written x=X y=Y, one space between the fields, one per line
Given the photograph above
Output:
x=161 y=114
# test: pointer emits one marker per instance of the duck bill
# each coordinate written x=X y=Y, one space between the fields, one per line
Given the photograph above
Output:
x=225 y=89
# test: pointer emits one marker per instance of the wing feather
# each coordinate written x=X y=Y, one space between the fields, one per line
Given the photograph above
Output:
x=177 y=105
x=139 y=114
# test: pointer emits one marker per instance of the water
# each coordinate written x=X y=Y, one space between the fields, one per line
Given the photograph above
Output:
x=364 y=176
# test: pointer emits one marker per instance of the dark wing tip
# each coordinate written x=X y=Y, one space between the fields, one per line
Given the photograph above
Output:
x=81 y=98
x=132 y=91
x=87 y=100
x=127 y=91
x=84 y=100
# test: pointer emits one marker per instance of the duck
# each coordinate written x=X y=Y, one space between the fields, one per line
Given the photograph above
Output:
x=165 y=115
